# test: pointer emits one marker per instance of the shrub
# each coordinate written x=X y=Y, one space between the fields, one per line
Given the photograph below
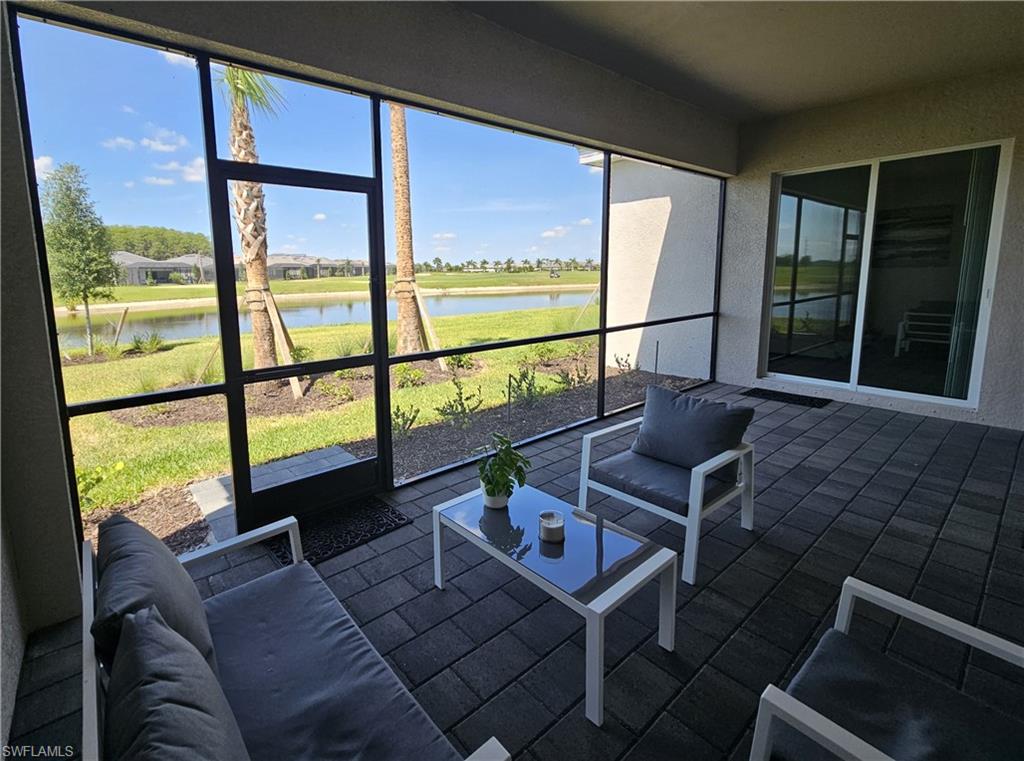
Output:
x=347 y=374
x=458 y=411
x=407 y=376
x=109 y=350
x=402 y=420
x=340 y=391
x=349 y=346
x=578 y=374
x=460 y=361
x=301 y=353
x=177 y=278
x=150 y=280
x=147 y=343
x=88 y=480
x=523 y=387
x=544 y=354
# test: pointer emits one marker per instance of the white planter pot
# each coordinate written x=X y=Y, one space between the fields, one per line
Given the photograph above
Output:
x=495 y=503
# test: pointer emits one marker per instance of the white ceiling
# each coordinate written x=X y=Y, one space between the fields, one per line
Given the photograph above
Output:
x=748 y=60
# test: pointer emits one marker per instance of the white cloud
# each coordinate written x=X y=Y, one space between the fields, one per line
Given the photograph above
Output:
x=288 y=249
x=44 y=165
x=115 y=143
x=163 y=140
x=319 y=217
x=558 y=231
x=193 y=171
x=158 y=180
x=533 y=249
x=585 y=222
x=444 y=236
x=176 y=60
x=128 y=110
x=129 y=184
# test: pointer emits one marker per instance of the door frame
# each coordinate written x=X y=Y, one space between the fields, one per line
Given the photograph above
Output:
x=993 y=249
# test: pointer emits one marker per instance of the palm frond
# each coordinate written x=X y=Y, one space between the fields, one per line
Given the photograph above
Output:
x=252 y=88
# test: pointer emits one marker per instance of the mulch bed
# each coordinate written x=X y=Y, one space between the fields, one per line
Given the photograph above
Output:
x=169 y=514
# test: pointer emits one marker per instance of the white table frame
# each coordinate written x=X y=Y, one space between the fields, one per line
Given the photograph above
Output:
x=662 y=564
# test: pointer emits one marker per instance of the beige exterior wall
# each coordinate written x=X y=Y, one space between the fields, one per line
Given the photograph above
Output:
x=662 y=237
x=12 y=636
x=956 y=113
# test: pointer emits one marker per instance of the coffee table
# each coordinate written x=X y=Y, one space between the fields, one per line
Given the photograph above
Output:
x=597 y=568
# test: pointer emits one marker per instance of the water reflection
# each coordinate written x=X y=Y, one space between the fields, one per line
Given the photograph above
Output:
x=496 y=526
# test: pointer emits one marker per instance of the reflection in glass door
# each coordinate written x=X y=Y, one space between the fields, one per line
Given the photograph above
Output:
x=924 y=287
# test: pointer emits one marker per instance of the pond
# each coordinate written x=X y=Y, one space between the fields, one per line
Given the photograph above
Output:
x=338 y=309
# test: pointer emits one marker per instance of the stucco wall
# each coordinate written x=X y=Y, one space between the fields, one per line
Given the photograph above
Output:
x=441 y=54
x=12 y=635
x=950 y=114
x=34 y=499
x=662 y=238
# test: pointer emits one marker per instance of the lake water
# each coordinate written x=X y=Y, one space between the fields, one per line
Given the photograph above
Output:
x=195 y=322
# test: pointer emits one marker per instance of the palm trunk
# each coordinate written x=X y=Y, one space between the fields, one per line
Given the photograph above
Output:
x=88 y=325
x=410 y=328
x=251 y=216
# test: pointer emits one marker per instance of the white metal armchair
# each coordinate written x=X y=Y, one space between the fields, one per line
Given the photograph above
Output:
x=682 y=495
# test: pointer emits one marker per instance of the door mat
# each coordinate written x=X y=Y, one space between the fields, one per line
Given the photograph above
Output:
x=778 y=396
x=333 y=533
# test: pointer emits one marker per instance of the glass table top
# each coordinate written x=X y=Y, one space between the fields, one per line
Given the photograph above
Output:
x=594 y=556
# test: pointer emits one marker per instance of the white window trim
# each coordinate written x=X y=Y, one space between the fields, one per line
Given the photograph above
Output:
x=995 y=235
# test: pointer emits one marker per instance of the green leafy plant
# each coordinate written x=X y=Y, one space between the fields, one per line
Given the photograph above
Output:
x=346 y=374
x=177 y=278
x=150 y=280
x=458 y=411
x=88 y=479
x=351 y=347
x=109 y=350
x=340 y=391
x=301 y=353
x=147 y=343
x=402 y=420
x=146 y=384
x=503 y=469
x=460 y=361
x=544 y=354
x=407 y=376
x=523 y=388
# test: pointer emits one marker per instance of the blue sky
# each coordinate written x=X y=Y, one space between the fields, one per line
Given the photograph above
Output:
x=130 y=116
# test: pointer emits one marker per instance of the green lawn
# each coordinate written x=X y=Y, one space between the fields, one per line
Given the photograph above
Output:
x=155 y=457
x=438 y=280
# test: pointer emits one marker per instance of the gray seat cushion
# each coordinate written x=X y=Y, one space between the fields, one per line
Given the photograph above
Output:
x=137 y=570
x=899 y=710
x=303 y=681
x=163 y=701
x=686 y=431
x=654 y=481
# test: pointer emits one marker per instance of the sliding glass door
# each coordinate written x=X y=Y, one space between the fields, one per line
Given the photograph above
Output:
x=879 y=273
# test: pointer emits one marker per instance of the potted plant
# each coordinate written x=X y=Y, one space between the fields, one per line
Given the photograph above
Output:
x=501 y=471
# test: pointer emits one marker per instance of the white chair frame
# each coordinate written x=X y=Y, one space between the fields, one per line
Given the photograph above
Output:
x=93 y=678
x=696 y=508
x=776 y=705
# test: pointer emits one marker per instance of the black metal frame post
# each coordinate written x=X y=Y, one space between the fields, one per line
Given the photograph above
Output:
x=602 y=339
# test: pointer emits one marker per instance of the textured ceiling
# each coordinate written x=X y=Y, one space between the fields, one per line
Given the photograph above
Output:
x=748 y=60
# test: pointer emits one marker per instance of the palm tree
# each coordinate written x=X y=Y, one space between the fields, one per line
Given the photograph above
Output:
x=483 y=264
x=470 y=264
x=410 y=328
x=573 y=263
x=509 y=264
x=590 y=264
x=539 y=263
x=248 y=90
x=526 y=265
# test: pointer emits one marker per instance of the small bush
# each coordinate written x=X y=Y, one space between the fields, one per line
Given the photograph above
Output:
x=347 y=374
x=147 y=343
x=301 y=354
x=109 y=350
x=402 y=420
x=88 y=480
x=177 y=278
x=544 y=354
x=150 y=280
x=579 y=373
x=460 y=361
x=523 y=387
x=351 y=346
x=407 y=376
x=458 y=411
x=340 y=391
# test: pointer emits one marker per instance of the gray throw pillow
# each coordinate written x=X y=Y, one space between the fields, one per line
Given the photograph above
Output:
x=686 y=431
x=163 y=701
x=137 y=570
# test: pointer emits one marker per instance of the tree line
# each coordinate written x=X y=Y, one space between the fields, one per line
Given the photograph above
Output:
x=157 y=242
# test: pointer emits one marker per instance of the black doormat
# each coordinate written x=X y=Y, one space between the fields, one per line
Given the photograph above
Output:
x=778 y=396
x=330 y=534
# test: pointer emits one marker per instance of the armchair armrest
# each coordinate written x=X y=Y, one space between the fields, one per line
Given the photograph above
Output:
x=286 y=525
x=721 y=460
x=970 y=635
x=492 y=750
x=776 y=704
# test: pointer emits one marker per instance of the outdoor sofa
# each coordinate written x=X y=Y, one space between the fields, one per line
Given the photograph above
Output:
x=851 y=702
x=273 y=669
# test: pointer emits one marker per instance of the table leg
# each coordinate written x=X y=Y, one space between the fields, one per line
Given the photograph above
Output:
x=667 y=607
x=438 y=543
x=595 y=668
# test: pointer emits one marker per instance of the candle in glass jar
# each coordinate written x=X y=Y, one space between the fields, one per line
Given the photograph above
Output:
x=552 y=526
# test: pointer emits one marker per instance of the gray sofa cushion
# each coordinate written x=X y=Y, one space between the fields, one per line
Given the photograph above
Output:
x=137 y=570
x=654 y=481
x=303 y=681
x=163 y=701
x=687 y=431
x=899 y=710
